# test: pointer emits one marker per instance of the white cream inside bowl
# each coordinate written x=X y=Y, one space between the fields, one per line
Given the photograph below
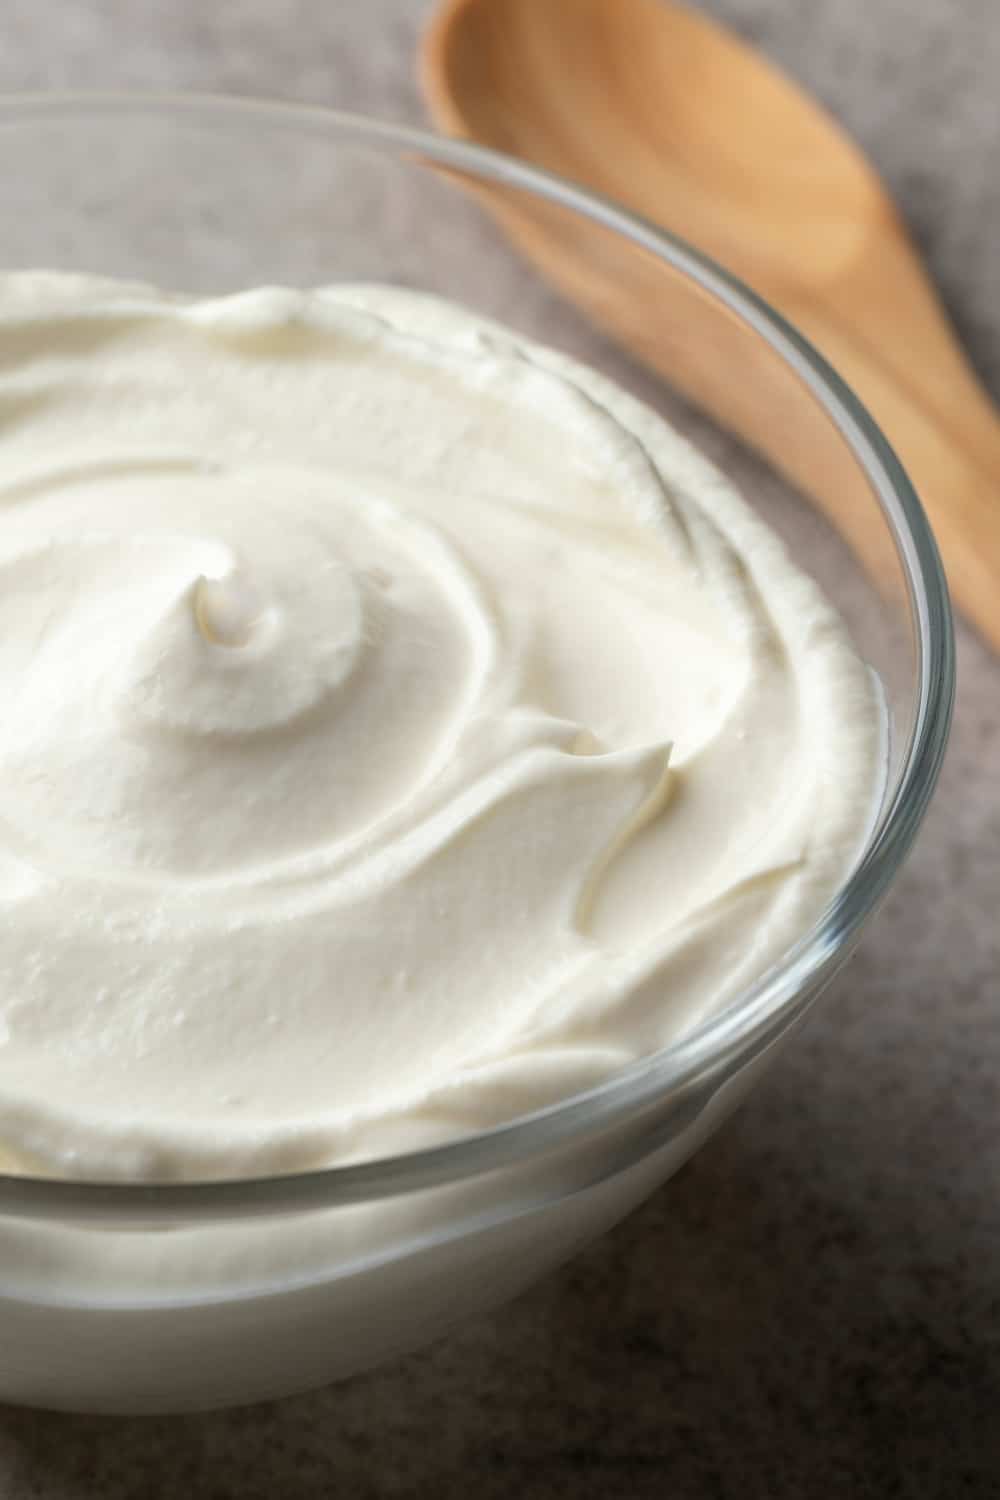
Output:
x=403 y=728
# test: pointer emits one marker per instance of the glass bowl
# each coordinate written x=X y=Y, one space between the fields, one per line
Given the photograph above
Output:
x=163 y=1297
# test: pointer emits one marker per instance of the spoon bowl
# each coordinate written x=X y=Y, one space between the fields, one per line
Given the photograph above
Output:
x=655 y=106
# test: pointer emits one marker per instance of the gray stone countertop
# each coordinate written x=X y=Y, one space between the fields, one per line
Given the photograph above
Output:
x=812 y=1307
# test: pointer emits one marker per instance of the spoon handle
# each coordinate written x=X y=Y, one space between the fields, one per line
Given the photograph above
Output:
x=664 y=111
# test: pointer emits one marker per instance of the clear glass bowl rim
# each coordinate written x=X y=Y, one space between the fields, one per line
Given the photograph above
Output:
x=774 y=1001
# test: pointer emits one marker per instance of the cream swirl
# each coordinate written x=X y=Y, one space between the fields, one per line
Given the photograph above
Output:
x=402 y=728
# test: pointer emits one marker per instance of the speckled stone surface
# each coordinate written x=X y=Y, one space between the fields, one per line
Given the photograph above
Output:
x=812 y=1308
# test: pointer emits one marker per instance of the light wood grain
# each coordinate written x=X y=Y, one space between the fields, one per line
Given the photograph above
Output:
x=663 y=110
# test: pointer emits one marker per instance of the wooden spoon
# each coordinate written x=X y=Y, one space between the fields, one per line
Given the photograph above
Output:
x=665 y=111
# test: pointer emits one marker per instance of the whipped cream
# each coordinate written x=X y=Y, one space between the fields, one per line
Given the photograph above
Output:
x=403 y=729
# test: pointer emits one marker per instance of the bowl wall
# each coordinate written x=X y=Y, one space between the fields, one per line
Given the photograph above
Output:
x=157 y=1301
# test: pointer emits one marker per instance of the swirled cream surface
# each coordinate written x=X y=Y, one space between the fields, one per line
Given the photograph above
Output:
x=403 y=728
